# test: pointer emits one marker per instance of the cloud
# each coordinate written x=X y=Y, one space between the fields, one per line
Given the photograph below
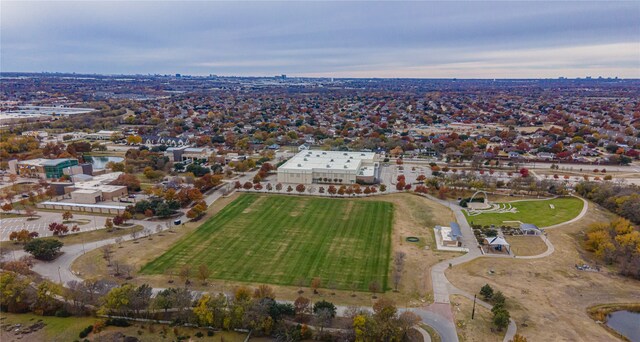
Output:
x=368 y=39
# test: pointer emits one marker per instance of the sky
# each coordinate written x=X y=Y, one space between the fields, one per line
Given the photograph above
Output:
x=418 y=39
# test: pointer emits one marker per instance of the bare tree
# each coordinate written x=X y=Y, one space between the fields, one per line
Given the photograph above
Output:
x=397 y=269
x=185 y=273
x=107 y=250
x=315 y=284
x=126 y=269
x=116 y=266
x=134 y=234
x=322 y=318
x=374 y=287
x=203 y=273
x=158 y=229
x=407 y=320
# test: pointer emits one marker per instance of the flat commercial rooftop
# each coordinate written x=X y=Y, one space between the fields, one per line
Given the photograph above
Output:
x=83 y=205
x=337 y=160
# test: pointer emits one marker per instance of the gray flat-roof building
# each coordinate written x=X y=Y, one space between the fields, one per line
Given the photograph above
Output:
x=330 y=167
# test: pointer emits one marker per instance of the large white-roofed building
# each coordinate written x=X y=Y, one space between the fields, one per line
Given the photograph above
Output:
x=330 y=167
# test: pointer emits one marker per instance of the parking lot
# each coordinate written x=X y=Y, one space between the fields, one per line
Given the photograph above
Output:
x=41 y=224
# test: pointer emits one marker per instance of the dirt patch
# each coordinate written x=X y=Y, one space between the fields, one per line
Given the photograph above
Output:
x=300 y=207
x=478 y=329
x=526 y=245
x=253 y=205
x=348 y=210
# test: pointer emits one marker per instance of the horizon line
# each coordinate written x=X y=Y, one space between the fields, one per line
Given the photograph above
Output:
x=586 y=77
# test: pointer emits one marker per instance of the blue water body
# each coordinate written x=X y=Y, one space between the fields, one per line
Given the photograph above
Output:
x=101 y=162
x=626 y=323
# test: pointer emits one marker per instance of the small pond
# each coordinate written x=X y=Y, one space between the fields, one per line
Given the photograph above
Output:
x=626 y=323
x=101 y=162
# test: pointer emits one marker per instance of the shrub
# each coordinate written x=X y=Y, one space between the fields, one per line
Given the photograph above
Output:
x=117 y=322
x=86 y=331
x=199 y=334
x=43 y=249
x=486 y=291
x=209 y=333
x=62 y=313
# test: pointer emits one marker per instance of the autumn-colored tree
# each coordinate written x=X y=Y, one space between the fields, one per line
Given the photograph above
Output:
x=203 y=273
x=108 y=224
x=332 y=190
x=518 y=338
x=7 y=206
x=23 y=236
x=58 y=229
x=67 y=215
x=118 y=220
x=264 y=291
x=134 y=139
x=300 y=188
x=315 y=284
x=302 y=306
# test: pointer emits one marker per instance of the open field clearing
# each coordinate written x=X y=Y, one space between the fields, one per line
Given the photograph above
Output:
x=282 y=239
x=526 y=245
x=549 y=295
x=541 y=213
x=413 y=216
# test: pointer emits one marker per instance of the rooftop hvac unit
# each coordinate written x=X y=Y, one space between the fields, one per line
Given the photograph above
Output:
x=299 y=165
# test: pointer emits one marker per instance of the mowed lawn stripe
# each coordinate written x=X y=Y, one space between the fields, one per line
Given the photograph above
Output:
x=280 y=239
x=184 y=247
x=268 y=213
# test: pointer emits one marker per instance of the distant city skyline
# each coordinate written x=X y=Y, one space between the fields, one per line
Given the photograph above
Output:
x=324 y=39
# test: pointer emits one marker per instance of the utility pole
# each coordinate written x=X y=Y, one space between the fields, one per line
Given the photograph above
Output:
x=59 y=275
x=473 y=311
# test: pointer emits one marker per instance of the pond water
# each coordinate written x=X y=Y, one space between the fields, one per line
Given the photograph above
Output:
x=626 y=323
x=101 y=162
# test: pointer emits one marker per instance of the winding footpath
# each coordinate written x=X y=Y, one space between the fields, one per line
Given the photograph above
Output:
x=437 y=315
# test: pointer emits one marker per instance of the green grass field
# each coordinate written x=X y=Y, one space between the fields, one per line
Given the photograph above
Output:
x=536 y=212
x=282 y=239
